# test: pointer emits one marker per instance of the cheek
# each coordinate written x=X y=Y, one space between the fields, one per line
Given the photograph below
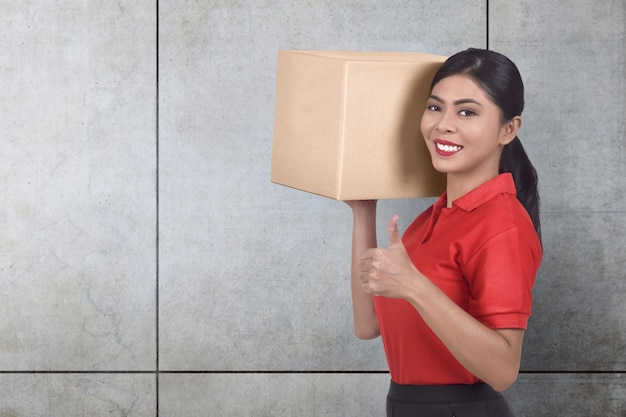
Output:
x=425 y=125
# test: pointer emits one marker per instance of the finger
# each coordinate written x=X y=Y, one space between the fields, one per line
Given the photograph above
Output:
x=367 y=255
x=370 y=255
x=365 y=265
x=364 y=276
x=394 y=235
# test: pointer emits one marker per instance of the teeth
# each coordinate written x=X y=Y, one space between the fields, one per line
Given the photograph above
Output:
x=449 y=148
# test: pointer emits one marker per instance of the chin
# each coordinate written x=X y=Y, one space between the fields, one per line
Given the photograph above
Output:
x=440 y=167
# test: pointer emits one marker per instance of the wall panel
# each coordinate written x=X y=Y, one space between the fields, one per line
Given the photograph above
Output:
x=568 y=395
x=571 y=55
x=255 y=276
x=77 y=179
x=190 y=395
x=77 y=395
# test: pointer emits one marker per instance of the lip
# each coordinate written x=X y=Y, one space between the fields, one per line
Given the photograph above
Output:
x=446 y=152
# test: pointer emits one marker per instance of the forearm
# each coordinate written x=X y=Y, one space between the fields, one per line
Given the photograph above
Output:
x=363 y=238
x=491 y=355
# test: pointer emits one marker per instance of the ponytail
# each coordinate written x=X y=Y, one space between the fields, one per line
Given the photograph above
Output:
x=515 y=161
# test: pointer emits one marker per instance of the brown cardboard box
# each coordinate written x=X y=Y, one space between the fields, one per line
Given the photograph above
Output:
x=347 y=124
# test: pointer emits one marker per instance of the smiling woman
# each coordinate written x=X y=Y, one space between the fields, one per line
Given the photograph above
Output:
x=464 y=133
x=501 y=82
x=452 y=297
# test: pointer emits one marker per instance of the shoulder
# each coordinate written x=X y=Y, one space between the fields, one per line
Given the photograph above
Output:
x=504 y=207
x=505 y=231
x=493 y=205
x=504 y=212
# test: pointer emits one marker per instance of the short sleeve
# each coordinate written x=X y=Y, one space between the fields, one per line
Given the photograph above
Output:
x=500 y=276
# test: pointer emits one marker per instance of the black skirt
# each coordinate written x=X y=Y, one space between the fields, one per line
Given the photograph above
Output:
x=478 y=400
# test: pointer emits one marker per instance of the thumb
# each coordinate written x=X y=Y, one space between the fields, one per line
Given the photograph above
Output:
x=394 y=235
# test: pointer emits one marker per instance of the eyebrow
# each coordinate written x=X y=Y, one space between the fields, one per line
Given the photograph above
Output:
x=457 y=102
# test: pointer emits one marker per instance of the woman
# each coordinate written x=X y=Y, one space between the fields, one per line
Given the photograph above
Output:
x=452 y=297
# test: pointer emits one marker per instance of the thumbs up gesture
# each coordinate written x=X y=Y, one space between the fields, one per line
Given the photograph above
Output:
x=388 y=272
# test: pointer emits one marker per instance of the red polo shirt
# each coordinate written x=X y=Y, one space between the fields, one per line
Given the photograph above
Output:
x=484 y=253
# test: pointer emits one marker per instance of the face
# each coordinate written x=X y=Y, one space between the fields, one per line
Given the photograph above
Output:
x=463 y=130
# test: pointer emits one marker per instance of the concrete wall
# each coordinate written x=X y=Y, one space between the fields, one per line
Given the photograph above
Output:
x=149 y=267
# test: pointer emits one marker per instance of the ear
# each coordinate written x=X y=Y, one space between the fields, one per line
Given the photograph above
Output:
x=509 y=130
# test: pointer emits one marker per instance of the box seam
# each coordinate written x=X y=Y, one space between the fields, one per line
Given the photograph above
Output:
x=342 y=133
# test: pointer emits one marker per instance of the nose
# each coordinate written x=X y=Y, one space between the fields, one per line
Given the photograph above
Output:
x=445 y=122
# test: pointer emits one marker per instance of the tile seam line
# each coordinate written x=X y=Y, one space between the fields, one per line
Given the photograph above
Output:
x=487 y=24
x=157 y=208
x=584 y=211
x=174 y=372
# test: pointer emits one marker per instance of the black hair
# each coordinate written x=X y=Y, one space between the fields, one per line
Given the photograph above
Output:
x=498 y=76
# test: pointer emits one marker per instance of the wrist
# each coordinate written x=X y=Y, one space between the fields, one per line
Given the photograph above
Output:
x=417 y=287
x=363 y=208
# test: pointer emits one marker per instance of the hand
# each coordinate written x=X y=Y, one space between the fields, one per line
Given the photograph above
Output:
x=388 y=272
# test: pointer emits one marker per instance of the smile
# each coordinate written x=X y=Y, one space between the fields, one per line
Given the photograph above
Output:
x=447 y=149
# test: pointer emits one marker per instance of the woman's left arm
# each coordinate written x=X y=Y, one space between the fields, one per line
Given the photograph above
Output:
x=491 y=355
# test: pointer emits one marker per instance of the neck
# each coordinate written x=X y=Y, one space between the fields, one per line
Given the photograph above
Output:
x=459 y=185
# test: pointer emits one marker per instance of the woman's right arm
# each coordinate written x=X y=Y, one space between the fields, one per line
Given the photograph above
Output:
x=363 y=238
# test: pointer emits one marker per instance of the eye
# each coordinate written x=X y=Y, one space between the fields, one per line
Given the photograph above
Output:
x=433 y=107
x=467 y=113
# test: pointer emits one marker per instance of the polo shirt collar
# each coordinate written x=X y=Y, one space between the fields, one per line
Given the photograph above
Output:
x=502 y=184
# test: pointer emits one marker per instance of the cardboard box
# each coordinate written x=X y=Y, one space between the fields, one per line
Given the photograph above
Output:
x=347 y=124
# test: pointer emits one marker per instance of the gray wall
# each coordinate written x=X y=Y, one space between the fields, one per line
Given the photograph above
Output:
x=148 y=266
